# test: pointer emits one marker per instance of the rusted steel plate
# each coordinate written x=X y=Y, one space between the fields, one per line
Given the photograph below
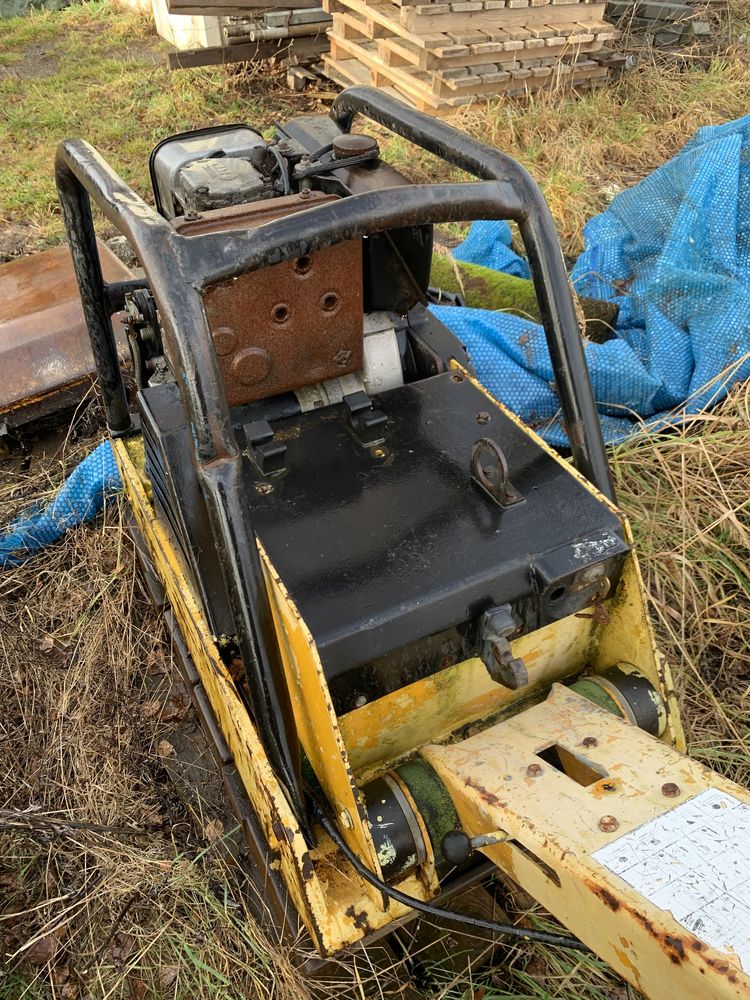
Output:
x=45 y=357
x=288 y=325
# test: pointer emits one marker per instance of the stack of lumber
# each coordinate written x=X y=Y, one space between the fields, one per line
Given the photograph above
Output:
x=440 y=55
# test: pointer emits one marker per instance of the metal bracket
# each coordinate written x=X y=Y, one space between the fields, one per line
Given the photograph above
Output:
x=494 y=628
x=489 y=470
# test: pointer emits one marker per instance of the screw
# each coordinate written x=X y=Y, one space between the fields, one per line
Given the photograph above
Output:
x=264 y=488
x=457 y=378
x=670 y=790
x=483 y=418
x=591 y=741
x=608 y=824
x=609 y=787
x=533 y=770
x=378 y=452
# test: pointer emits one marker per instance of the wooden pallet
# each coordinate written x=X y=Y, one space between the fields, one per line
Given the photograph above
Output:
x=359 y=67
x=541 y=45
x=441 y=56
x=384 y=20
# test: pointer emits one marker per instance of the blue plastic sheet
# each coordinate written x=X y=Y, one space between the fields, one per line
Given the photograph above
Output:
x=79 y=499
x=674 y=253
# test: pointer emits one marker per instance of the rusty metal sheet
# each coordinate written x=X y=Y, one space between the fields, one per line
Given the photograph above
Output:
x=45 y=357
x=289 y=325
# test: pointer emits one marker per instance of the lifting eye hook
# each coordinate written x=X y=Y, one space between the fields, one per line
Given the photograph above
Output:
x=489 y=470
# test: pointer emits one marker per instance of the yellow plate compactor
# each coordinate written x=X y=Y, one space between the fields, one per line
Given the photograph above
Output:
x=415 y=632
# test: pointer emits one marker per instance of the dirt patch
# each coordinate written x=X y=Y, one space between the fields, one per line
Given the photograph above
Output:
x=15 y=241
x=40 y=59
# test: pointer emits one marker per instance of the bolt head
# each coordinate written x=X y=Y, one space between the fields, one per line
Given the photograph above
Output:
x=534 y=770
x=590 y=741
x=608 y=824
x=346 y=820
x=483 y=418
x=670 y=790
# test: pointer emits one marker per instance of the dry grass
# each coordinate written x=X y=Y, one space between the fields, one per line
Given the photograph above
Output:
x=111 y=886
x=686 y=494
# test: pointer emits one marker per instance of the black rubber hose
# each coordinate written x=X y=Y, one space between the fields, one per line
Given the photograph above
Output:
x=476 y=923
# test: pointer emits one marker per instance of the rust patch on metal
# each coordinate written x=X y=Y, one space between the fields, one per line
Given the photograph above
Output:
x=675 y=947
x=608 y=898
x=291 y=324
x=308 y=868
x=45 y=354
x=489 y=797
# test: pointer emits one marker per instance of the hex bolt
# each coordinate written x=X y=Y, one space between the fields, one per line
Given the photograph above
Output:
x=533 y=770
x=590 y=741
x=608 y=824
x=483 y=417
x=670 y=790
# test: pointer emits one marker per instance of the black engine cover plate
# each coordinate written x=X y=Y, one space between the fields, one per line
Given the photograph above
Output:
x=383 y=547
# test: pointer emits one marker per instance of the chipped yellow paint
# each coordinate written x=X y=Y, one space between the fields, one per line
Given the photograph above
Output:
x=553 y=827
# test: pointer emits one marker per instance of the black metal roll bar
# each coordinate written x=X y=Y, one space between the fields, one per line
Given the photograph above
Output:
x=179 y=269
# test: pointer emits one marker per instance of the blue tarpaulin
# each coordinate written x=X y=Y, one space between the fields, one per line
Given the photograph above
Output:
x=79 y=499
x=674 y=253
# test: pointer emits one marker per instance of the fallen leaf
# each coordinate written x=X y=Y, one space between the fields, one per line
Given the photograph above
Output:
x=138 y=988
x=121 y=946
x=164 y=748
x=168 y=975
x=43 y=950
x=60 y=975
x=213 y=830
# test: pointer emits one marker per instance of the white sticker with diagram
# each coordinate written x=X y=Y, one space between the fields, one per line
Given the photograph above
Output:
x=694 y=861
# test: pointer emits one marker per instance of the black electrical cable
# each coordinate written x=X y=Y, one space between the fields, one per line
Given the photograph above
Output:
x=283 y=169
x=508 y=930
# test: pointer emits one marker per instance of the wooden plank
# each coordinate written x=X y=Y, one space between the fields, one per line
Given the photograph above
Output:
x=228 y=8
x=302 y=49
x=419 y=29
x=414 y=19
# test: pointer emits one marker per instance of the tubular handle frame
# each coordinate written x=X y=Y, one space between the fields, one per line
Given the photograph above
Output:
x=179 y=269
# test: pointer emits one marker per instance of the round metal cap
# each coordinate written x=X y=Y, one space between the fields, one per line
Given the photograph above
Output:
x=353 y=144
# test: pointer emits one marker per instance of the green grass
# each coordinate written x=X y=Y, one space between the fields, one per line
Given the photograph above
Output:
x=104 y=79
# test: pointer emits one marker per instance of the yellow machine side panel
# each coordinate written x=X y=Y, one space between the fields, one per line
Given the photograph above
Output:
x=335 y=904
x=316 y=721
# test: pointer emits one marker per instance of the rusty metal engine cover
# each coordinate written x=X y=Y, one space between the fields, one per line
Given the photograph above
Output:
x=288 y=325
